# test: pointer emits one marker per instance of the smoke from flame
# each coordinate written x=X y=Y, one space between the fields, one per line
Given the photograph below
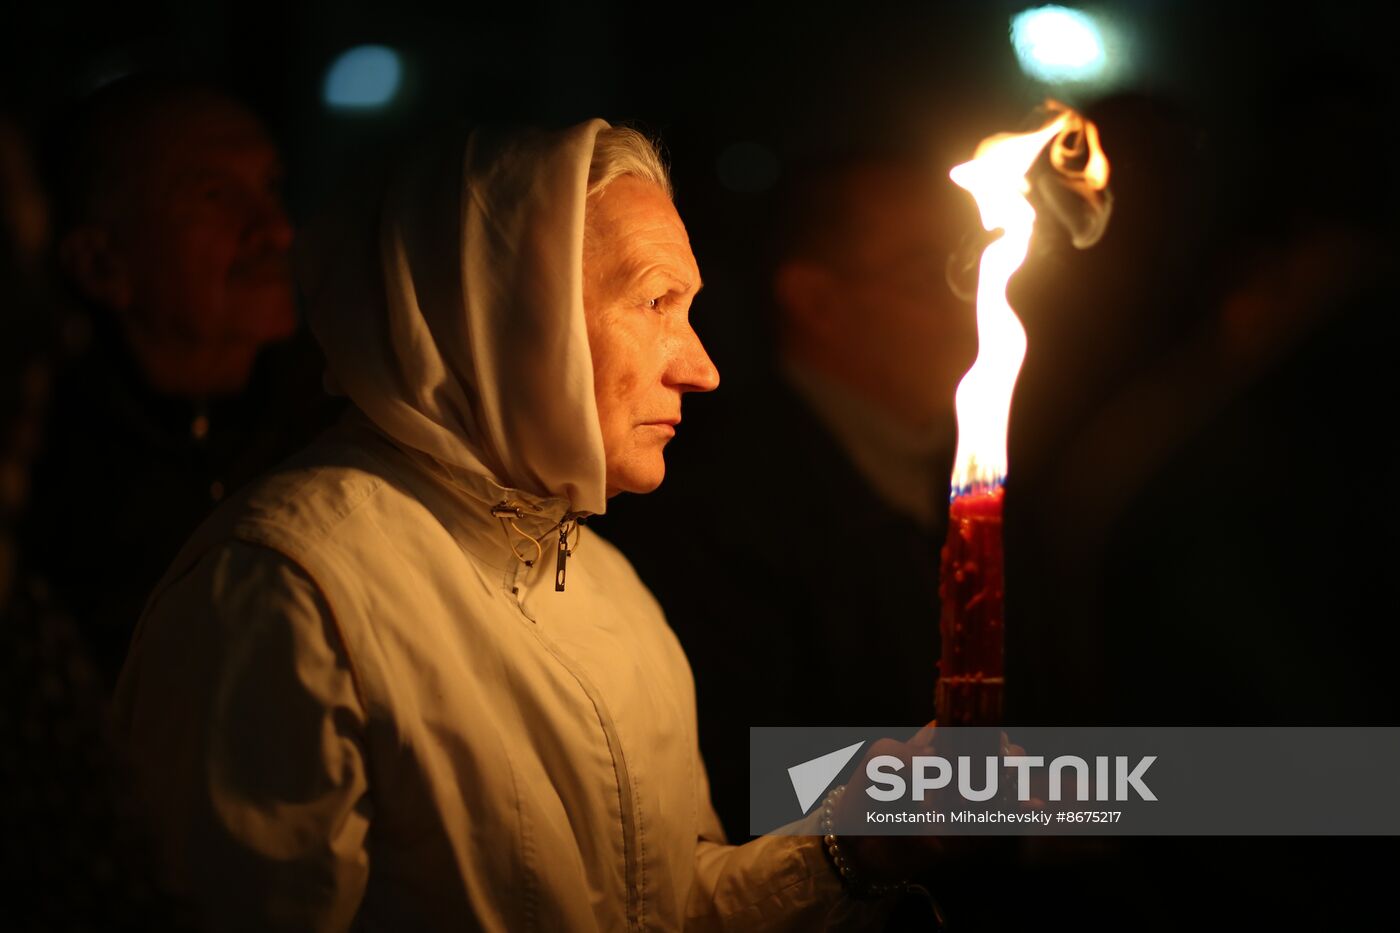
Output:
x=996 y=179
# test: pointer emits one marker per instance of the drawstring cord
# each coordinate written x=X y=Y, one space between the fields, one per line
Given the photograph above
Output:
x=539 y=548
x=508 y=512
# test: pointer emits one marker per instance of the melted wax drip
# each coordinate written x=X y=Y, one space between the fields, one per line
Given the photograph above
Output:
x=970 y=674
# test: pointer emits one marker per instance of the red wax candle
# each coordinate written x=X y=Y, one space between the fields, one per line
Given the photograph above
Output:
x=970 y=675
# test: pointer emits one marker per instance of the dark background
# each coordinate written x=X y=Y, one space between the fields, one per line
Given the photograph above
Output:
x=792 y=78
x=1180 y=550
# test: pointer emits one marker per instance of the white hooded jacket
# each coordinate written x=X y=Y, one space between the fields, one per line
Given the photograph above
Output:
x=350 y=704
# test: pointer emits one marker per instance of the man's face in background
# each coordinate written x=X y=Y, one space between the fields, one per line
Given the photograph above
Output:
x=871 y=299
x=180 y=235
x=204 y=237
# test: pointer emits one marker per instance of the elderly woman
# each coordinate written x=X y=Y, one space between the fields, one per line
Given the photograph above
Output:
x=396 y=684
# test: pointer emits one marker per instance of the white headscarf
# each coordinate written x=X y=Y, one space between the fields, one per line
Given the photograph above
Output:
x=462 y=335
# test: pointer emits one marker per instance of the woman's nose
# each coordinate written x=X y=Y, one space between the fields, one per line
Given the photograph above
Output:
x=691 y=368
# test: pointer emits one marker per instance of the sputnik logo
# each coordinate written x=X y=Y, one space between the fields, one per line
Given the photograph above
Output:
x=811 y=778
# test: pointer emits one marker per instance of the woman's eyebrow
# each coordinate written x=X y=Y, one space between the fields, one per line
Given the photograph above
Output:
x=675 y=281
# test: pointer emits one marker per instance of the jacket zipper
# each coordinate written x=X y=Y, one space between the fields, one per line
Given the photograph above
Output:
x=626 y=803
x=561 y=558
x=567 y=524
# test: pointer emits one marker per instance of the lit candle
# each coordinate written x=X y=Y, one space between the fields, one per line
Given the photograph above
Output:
x=970 y=672
x=972 y=625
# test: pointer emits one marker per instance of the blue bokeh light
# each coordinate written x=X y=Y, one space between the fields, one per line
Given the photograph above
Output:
x=363 y=78
x=1056 y=43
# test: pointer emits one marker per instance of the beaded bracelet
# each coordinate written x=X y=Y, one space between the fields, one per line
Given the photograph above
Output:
x=841 y=861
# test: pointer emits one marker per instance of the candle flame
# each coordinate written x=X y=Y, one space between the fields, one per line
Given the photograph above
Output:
x=996 y=179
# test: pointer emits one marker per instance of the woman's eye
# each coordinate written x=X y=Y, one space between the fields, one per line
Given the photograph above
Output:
x=653 y=303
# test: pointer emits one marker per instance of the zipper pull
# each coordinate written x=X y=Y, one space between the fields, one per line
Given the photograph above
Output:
x=562 y=557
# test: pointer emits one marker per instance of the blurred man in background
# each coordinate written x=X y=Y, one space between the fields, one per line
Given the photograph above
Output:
x=828 y=564
x=65 y=861
x=825 y=569
x=173 y=236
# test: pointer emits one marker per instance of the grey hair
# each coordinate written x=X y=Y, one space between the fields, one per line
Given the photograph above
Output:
x=621 y=150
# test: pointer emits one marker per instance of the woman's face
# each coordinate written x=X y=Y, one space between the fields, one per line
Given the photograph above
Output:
x=640 y=278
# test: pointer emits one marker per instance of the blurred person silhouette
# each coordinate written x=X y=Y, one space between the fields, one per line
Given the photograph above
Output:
x=833 y=574
x=1202 y=510
x=1261 y=514
x=171 y=233
x=29 y=326
x=797 y=545
x=1202 y=344
x=1096 y=320
x=1285 y=387
x=66 y=862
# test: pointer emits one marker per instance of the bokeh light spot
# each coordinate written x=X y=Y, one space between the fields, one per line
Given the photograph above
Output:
x=363 y=78
x=1056 y=43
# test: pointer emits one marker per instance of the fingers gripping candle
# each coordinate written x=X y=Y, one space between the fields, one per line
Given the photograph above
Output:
x=971 y=679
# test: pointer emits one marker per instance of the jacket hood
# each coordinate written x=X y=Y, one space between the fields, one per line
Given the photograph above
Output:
x=453 y=318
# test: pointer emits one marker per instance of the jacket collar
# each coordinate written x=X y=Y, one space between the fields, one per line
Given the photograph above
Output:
x=485 y=518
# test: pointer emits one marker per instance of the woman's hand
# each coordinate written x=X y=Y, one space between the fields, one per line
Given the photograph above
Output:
x=887 y=859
